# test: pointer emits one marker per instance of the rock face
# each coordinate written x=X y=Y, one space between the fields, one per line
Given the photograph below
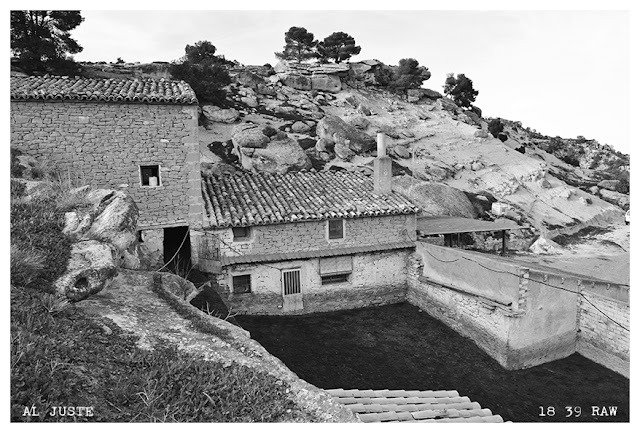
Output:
x=435 y=199
x=105 y=235
x=616 y=198
x=92 y=264
x=326 y=83
x=220 y=115
x=334 y=130
x=297 y=81
x=267 y=150
x=608 y=184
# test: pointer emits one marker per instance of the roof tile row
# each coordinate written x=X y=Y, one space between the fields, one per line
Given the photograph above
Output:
x=412 y=406
x=147 y=90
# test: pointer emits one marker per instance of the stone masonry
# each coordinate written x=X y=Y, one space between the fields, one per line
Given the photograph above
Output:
x=312 y=235
x=104 y=143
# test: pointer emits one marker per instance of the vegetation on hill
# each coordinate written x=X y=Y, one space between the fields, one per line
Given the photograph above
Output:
x=300 y=45
x=338 y=46
x=41 y=40
x=460 y=89
x=205 y=72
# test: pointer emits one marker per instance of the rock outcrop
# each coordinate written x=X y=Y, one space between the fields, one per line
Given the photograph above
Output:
x=347 y=139
x=267 y=150
x=91 y=266
x=104 y=231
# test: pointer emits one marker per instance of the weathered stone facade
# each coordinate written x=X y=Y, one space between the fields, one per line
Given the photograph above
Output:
x=376 y=279
x=105 y=143
x=313 y=235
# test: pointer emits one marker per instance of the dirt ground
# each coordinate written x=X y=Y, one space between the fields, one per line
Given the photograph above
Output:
x=604 y=256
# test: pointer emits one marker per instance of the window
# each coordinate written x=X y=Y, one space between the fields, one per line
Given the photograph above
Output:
x=242 y=284
x=335 y=278
x=150 y=175
x=336 y=229
x=241 y=233
x=291 y=282
x=335 y=269
x=140 y=236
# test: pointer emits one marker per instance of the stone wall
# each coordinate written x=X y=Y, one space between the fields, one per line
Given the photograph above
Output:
x=376 y=279
x=599 y=338
x=104 y=143
x=313 y=235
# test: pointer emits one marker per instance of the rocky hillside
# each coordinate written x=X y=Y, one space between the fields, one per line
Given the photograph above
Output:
x=326 y=117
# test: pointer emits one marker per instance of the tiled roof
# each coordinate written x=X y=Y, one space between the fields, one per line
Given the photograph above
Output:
x=111 y=90
x=412 y=406
x=250 y=199
x=343 y=251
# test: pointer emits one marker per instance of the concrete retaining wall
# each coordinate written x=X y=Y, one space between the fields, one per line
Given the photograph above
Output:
x=550 y=318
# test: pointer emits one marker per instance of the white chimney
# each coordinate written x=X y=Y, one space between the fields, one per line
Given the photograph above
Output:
x=382 y=168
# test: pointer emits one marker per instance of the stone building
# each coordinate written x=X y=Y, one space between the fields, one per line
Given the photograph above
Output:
x=134 y=135
x=307 y=241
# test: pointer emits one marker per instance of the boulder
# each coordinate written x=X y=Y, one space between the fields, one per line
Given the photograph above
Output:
x=335 y=130
x=249 y=79
x=250 y=101
x=281 y=155
x=111 y=218
x=402 y=152
x=481 y=133
x=608 y=184
x=343 y=151
x=360 y=122
x=300 y=127
x=447 y=105
x=594 y=190
x=619 y=199
x=544 y=183
x=296 y=81
x=435 y=199
x=431 y=94
x=545 y=246
x=326 y=83
x=323 y=145
x=414 y=95
x=220 y=115
x=91 y=265
x=249 y=135
x=364 y=110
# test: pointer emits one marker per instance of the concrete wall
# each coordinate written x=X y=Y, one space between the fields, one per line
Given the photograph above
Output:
x=376 y=279
x=474 y=273
x=599 y=338
x=312 y=235
x=549 y=320
x=103 y=144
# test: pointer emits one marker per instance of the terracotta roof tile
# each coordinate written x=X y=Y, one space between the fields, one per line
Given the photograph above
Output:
x=147 y=90
x=249 y=199
x=426 y=406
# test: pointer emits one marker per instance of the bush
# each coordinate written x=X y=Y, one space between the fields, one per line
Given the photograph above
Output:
x=16 y=169
x=17 y=189
x=27 y=263
x=495 y=127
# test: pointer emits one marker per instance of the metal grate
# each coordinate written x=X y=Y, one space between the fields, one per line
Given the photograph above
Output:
x=291 y=282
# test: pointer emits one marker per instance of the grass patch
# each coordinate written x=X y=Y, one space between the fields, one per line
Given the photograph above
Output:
x=398 y=347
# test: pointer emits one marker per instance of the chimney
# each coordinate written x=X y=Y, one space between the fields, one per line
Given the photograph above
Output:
x=382 y=168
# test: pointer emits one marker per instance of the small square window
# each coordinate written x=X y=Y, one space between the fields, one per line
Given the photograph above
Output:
x=150 y=175
x=242 y=284
x=336 y=229
x=241 y=233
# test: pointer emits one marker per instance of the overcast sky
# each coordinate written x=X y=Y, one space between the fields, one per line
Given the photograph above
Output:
x=560 y=72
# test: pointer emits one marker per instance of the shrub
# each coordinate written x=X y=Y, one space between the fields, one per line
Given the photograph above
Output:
x=16 y=169
x=495 y=127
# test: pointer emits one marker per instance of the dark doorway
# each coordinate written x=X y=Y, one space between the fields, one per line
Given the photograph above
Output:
x=177 y=250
